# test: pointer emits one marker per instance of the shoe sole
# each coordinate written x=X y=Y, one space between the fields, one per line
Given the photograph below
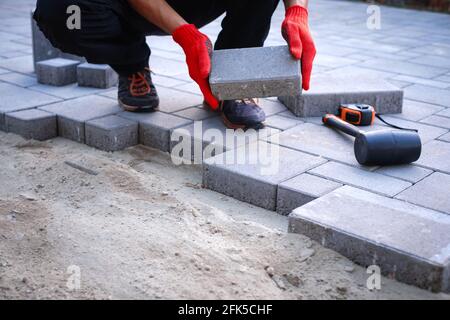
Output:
x=148 y=108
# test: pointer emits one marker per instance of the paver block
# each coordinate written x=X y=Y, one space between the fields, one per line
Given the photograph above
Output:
x=203 y=139
x=32 y=124
x=14 y=98
x=254 y=73
x=321 y=141
x=363 y=179
x=435 y=156
x=43 y=49
x=445 y=137
x=440 y=97
x=155 y=129
x=251 y=173
x=330 y=89
x=57 y=71
x=409 y=243
x=171 y=100
x=96 y=76
x=196 y=113
x=405 y=172
x=295 y=192
x=282 y=123
x=72 y=114
x=111 y=133
x=437 y=121
x=426 y=132
x=432 y=192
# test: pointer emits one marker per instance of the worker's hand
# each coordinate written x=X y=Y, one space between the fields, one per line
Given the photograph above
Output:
x=295 y=31
x=198 y=49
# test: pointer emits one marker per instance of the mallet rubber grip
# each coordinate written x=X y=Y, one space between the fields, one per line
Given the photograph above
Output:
x=333 y=121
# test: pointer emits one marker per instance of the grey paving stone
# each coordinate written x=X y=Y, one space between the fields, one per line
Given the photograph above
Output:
x=167 y=67
x=409 y=243
x=415 y=110
x=426 y=132
x=435 y=156
x=73 y=114
x=405 y=172
x=18 y=79
x=32 y=124
x=428 y=94
x=444 y=113
x=111 y=133
x=96 y=75
x=254 y=73
x=155 y=128
x=196 y=113
x=247 y=181
x=403 y=67
x=167 y=82
x=271 y=107
x=321 y=141
x=171 y=100
x=445 y=137
x=426 y=82
x=282 y=123
x=14 y=98
x=57 y=71
x=20 y=64
x=437 y=121
x=295 y=192
x=70 y=91
x=433 y=60
x=432 y=192
x=363 y=179
x=328 y=90
x=206 y=138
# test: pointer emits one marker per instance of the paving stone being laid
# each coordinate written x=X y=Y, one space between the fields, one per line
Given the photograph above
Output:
x=330 y=89
x=57 y=71
x=432 y=192
x=72 y=114
x=206 y=138
x=32 y=124
x=363 y=179
x=14 y=98
x=405 y=172
x=428 y=94
x=96 y=76
x=155 y=128
x=282 y=123
x=254 y=73
x=435 y=156
x=437 y=121
x=295 y=192
x=171 y=100
x=251 y=173
x=409 y=243
x=415 y=110
x=111 y=133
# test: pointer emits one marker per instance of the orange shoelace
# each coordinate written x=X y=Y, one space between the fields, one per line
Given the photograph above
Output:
x=139 y=85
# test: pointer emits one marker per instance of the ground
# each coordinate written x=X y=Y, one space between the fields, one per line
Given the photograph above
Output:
x=144 y=228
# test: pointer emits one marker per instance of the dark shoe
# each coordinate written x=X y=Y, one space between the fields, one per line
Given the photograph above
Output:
x=242 y=114
x=137 y=92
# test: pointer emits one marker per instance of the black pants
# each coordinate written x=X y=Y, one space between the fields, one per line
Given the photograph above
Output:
x=113 y=33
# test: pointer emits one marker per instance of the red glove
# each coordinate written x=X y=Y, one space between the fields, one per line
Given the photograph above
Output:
x=198 y=49
x=295 y=31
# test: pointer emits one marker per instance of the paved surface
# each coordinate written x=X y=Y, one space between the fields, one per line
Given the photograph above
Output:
x=411 y=51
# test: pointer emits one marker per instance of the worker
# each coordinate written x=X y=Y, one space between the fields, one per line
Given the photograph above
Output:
x=113 y=32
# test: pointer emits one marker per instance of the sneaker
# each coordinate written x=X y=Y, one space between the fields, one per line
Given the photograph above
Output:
x=137 y=92
x=242 y=114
